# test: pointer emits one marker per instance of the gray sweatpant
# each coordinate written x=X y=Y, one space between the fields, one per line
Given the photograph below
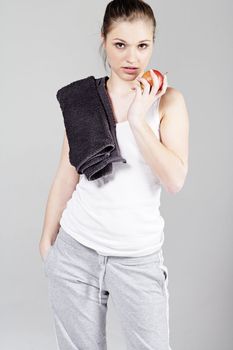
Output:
x=79 y=284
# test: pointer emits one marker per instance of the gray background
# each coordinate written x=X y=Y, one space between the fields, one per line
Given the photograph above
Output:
x=47 y=44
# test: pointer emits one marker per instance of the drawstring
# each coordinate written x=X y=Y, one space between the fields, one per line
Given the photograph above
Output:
x=103 y=261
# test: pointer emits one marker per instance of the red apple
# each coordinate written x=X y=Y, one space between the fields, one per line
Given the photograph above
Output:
x=148 y=77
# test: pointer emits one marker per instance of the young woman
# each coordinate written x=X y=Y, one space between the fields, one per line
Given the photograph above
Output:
x=104 y=237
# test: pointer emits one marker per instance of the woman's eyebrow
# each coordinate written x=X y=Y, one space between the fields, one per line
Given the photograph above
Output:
x=125 y=41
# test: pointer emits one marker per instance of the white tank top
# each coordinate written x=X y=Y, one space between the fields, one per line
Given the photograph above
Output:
x=118 y=214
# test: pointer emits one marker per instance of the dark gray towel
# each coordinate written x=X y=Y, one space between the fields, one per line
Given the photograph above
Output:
x=90 y=126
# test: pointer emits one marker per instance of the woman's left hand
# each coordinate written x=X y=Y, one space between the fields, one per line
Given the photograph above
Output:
x=143 y=100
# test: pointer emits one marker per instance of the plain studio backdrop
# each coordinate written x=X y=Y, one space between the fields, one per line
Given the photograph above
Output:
x=48 y=44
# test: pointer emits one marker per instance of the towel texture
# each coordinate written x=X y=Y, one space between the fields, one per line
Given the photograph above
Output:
x=90 y=126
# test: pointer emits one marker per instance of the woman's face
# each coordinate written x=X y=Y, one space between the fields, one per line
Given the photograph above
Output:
x=133 y=50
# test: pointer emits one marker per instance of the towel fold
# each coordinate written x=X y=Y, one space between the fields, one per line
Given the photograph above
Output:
x=90 y=127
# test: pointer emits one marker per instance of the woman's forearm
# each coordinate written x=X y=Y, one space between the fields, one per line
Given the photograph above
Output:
x=59 y=194
x=163 y=162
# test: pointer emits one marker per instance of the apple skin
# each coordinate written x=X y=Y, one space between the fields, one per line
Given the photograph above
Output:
x=148 y=77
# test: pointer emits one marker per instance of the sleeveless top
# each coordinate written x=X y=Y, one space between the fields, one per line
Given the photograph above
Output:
x=118 y=214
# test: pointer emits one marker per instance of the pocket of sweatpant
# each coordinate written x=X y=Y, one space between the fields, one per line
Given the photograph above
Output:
x=164 y=270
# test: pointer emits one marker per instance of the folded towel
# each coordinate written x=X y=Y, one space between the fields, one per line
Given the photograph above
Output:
x=90 y=127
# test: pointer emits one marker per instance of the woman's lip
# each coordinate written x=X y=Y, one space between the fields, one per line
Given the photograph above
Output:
x=130 y=70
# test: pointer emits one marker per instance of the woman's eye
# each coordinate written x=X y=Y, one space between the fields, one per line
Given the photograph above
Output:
x=118 y=44
x=124 y=44
x=144 y=45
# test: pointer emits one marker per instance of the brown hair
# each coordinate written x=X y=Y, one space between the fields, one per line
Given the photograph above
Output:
x=129 y=10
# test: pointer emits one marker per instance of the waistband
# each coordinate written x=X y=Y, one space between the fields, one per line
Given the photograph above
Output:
x=103 y=259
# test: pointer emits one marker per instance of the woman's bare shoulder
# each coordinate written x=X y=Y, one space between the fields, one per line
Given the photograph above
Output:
x=169 y=100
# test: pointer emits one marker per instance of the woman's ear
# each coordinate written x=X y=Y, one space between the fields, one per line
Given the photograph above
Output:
x=102 y=39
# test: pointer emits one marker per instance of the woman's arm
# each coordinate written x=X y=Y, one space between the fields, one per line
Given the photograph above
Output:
x=168 y=159
x=63 y=186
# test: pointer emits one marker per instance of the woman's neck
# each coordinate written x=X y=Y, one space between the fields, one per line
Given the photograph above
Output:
x=125 y=92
